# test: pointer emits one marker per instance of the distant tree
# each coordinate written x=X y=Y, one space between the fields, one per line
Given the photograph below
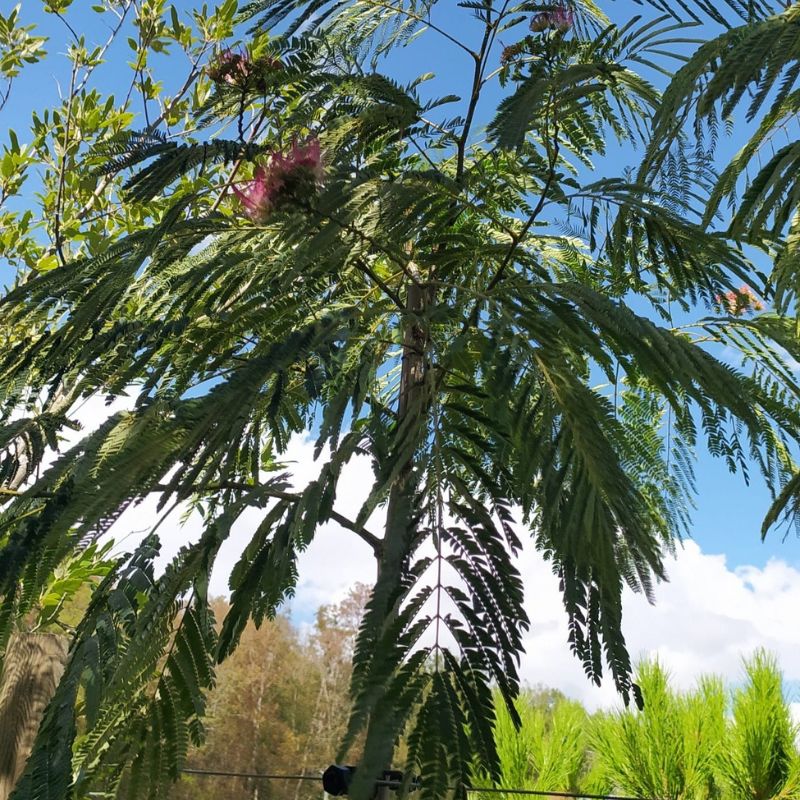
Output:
x=279 y=705
x=259 y=715
x=332 y=643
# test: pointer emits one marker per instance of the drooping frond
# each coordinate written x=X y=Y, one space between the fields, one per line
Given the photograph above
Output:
x=135 y=699
x=743 y=71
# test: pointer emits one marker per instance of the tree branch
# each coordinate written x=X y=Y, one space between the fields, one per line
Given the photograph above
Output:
x=251 y=138
x=553 y=161
x=370 y=538
x=426 y=22
x=104 y=183
x=369 y=272
x=62 y=169
x=113 y=35
x=489 y=33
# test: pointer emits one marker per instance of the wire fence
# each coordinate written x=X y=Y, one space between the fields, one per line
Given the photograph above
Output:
x=265 y=776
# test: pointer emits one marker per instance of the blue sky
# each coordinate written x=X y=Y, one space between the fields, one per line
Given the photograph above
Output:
x=728 y=515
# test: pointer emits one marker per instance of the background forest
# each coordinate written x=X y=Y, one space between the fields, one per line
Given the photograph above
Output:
x=280 y=707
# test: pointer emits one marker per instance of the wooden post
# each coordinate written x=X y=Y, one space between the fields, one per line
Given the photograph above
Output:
x=33 y=666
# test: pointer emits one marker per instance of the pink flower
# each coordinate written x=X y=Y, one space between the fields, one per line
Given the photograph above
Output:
x=738 y=302
x=302 y=157
x=559 y=18
x=256 y=196
x=287 y=177
x=511 y=51
x=229 y=67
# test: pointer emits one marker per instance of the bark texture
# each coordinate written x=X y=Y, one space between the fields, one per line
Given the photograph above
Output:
x=34 y=664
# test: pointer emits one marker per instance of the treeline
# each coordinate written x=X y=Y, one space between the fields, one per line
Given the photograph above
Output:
x=280 y=706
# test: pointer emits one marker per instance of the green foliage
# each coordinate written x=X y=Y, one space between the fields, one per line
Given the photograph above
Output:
x=278 y=704
x=693 y=742
x=549 y=749
x=703 y=743
x=441 y=302
x=69 y=580
x=19 y=46
x=671 y=749
x=142 y=663
x=750 y=70
x=760 y=759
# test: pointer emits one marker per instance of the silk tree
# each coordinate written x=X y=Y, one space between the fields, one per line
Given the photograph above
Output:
x=451 y=291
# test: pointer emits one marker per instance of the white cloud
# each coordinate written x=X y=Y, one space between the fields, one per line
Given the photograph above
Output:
x=705 y=619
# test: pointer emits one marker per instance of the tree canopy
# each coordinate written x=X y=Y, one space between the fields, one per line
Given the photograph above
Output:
x=524 y=345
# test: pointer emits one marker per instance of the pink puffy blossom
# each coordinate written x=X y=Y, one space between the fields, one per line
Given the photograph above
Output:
x=295 y=175
x=559 y=18
x=256 y=196
x=510 y=52
x=230 y=67
x=738 y=302
x=301 y=158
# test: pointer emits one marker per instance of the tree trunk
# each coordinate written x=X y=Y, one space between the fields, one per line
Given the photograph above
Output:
x=411 y=408
x=34 y=664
